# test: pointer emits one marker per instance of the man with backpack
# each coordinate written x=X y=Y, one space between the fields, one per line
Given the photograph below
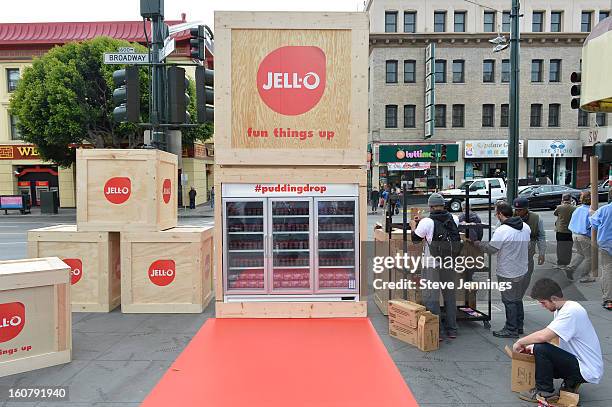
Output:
x=441 y=234
x=511 y=244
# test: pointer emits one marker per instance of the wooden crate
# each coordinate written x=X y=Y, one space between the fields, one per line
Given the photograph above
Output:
x=94 y=261
x=168 y=271
x=332 y=46
x=126 y=190
x=34 y=314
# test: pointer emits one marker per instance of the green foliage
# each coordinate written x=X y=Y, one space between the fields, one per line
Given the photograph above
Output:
x=201 y=133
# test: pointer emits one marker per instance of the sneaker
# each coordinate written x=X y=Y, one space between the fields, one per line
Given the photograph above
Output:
x=521 y=331
x=532 y=395
x=569 y=388
x=569 y=273
x=607 y=305
x=504 y=333
x=587 y=280
x=451 y=334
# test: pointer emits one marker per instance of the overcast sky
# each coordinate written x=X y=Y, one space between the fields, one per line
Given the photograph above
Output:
x=108 y=10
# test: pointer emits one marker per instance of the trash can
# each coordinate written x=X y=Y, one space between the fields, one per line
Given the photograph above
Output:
x=48 y=202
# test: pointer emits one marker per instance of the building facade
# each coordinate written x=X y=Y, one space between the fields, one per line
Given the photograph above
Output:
x=21 y=168
x=472 y=90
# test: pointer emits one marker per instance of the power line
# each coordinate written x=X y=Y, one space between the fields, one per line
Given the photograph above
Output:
x=482 y=5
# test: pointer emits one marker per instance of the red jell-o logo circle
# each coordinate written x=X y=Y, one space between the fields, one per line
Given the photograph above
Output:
x=166 y=190
x=12 y=320
x=291 y=79
x=162 y=272
x=76 y=270
x=117 y=190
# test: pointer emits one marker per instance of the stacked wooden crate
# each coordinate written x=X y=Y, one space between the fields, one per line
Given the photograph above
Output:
x=126 y=247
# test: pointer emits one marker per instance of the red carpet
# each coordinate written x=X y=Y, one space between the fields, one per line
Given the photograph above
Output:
x=282 y=363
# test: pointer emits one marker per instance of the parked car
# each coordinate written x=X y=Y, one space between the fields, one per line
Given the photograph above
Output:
x=478 y=186
x=549 y=196
x=602 y=190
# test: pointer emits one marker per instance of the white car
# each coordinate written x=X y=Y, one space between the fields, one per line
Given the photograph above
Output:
x=479 y=186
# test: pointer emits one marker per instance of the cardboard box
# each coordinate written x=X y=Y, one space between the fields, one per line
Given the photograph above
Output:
x=95 y=284
x=35 y=315
x=405 y=312
x=121 y=190
x=428 y=332
x=403 y=333
x=168 y=271
x=566 y=399
x=523 y=370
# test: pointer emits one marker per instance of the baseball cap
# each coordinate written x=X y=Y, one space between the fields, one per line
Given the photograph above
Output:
x=520 y=203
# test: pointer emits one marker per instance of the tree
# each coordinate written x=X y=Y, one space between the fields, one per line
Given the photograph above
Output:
x=65 y=99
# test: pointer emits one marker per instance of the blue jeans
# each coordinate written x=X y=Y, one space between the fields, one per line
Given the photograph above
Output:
x=552 y=362
x=513 y=302
x=431 y=298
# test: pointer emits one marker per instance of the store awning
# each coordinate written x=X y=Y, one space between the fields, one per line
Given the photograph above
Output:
x=408 y=166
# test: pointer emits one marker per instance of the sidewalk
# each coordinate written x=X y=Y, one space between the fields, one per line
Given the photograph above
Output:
x=201 y=211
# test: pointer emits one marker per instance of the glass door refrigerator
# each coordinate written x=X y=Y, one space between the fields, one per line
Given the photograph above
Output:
x=290 y=245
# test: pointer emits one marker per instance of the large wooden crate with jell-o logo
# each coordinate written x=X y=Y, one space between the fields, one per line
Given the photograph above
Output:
x=95 y=277
x=35 y=317
x=126 y=190
x=168 y=271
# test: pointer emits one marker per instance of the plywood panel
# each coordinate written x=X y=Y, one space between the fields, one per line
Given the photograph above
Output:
x=168 y=271
x=35 y=304
x=291 y=309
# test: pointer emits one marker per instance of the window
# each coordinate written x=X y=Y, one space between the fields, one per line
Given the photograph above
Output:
x=459 y=21
x=537 y=22
x=555 y=21
x=583 y=118
x=390 y=21
x=12 y=78
x=391 y=116
x=488 y=70
x=440 y=115
x=555 y=70
x=505 y=114
x=505 y=74
x=409 y=116
x=409 y=21
x=506 y=21
x=477 y=186
x=458 y=71
x=409 y=71
x=440 y=70
x=489 y=21
x=585 y=21
x=601 y=119
x=15 y=133
x=488 y=115
x=553 y=114
x=458 y=115
x=536 y=70
x=391 y=76
x=494 y=183
x=439 y=21
x=536 y=115
x=603 y=15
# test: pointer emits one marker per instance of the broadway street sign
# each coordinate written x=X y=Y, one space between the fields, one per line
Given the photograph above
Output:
x=128 y=58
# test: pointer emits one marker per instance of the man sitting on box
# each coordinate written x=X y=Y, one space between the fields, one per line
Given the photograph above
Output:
x=578 y=358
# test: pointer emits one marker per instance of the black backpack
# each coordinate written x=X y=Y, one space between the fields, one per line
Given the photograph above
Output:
x=445 y=240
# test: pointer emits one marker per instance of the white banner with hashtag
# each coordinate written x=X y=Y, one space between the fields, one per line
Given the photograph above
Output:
x=289 y=190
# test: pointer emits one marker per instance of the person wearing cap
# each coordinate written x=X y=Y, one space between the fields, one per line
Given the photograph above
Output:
x=537 y=238
x=602 y=221
x=581 y=229
x=565 y=242
x=427 y=229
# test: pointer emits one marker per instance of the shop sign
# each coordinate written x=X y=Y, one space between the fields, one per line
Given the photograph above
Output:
x=550 y=148
x=42 y=183
x=408 y=166
x=417 y=153
x=19 y=152
x=489 y=149
x=288 y=190
x=595 y=135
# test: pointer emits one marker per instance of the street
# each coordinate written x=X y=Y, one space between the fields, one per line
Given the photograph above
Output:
x=118 y=358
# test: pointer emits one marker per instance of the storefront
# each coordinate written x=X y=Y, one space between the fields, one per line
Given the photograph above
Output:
x=554 y=159
x=487 y=158
x=421 y=167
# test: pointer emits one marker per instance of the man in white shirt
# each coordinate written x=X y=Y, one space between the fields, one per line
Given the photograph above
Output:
x=577 y=359
x=511 y=244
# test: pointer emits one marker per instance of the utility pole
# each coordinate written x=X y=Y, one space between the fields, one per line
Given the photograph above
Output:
x=513 y=136
x=158 y=136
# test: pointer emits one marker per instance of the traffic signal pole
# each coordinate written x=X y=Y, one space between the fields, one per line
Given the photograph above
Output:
x=158 y=135
x=513 y=136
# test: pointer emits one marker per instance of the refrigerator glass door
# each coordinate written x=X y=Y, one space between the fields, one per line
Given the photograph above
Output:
x=337 y=245
x=291 y=232
x=245 y=248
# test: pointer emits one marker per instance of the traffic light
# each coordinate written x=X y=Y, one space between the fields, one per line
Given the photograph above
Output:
x=576 y=79
x=196 y=42
x=178 y=99
x=443 y=152
x=603 y=151
x=205 y=95
x=127 y=95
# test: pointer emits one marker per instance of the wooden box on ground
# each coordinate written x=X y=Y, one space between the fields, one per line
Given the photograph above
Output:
x=168 y=271
x=126 y=190
x=95 y=283
x=411 y=323
x=35 y=317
